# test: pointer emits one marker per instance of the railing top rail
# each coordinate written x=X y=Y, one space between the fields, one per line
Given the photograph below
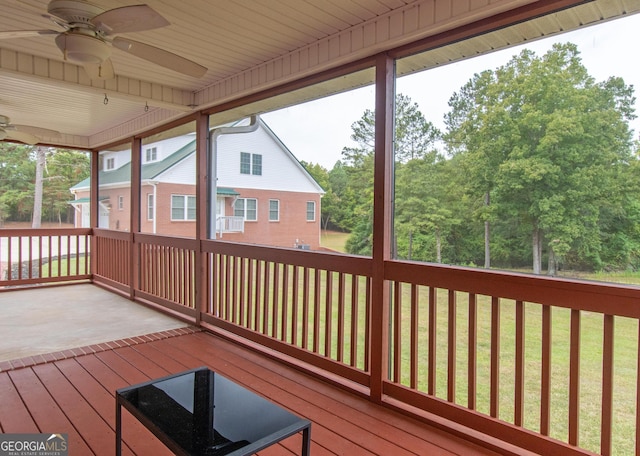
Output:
x=312 y=259
x=33 y=232
x=613 y=299
x=168 y=241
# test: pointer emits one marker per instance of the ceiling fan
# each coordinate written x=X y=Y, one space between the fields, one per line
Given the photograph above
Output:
x=88 y=36
x=23 y=133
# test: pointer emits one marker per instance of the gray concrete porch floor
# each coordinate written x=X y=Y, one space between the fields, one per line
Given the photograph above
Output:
x=37 y=321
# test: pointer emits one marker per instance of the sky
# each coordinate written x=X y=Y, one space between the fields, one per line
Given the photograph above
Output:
x=606 y=49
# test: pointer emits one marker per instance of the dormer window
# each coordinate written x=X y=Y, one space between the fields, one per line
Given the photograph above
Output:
x=109 y=164
x=151 y=154
x=250 y=163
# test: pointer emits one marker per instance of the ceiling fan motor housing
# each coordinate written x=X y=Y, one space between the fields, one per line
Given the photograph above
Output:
x=83 y=48
x=74 y=11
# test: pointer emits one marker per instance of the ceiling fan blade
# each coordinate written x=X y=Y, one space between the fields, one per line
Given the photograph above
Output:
x=100 y=71
x=160 y=57
x=135 y=18
x=31 y=130
x=7 y=35
x=23 y=137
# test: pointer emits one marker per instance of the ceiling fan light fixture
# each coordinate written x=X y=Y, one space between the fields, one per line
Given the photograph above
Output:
x=83 y=48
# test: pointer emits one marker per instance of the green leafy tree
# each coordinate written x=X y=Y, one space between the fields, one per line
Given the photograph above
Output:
x=414 y=140
x=64 y=169
x=17 y=174
x=543 y=143
x=61 y=169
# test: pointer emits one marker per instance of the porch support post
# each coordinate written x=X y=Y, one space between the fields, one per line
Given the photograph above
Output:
x=134 y=217
x=95 y=209
x=202 y=147
x=382 y=213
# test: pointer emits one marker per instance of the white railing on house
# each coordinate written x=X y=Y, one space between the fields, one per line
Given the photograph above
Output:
x=230 y=224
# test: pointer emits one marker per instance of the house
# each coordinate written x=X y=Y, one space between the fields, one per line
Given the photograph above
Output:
x=263 y=194
x=458 y=392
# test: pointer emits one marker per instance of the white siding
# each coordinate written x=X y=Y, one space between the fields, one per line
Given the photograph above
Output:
x=280 y=171
x=167 y=146
x=183 y=173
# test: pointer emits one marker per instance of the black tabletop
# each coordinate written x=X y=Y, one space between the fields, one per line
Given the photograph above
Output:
x=205 y=413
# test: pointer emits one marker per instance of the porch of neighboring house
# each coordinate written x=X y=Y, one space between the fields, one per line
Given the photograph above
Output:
x=71 y=390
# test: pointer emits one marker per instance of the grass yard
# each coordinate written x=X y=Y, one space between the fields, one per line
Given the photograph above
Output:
x=60 y=267
x=334 y=240
x=625 y=365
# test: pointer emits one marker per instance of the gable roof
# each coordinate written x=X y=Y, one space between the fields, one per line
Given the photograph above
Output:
x=148 y=171
x=152 y=170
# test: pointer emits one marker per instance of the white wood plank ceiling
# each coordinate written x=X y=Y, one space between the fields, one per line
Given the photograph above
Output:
x=247 y=45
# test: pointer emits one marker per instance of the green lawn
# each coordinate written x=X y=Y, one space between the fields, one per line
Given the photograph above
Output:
x=334 y=240
x=55 y=267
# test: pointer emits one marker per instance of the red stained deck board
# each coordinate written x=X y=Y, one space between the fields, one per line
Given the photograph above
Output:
x=45 y=411
x=14 y=415
x=92 y=428
x=76 y=396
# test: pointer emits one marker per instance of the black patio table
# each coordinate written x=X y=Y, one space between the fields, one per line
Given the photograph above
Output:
x=200 y=412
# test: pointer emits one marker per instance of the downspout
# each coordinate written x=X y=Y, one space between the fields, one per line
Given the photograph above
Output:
x=212 y=190
x=155 y=204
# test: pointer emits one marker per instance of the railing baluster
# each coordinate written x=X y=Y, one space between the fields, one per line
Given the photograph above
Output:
x=250 y=291
x=294 y=306
x=276 y=300
x=397 y=332
x=607 y=385
x=414 y=336
x=265 y=297
x=472 y=351
x=305 y=308
x=518 y=406
x=574 y=378
x=257 y=298
x=316 y=310
x=341 y=317
x=328 y=318
x=355 y=315
x=243 y=287
x=431 y=379
x=285 y=303
x=545 y=387
x=451 y=348
x=367 y=330
x=494 y=393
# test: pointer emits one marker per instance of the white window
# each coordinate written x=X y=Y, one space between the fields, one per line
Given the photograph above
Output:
x=120 y=202
x=250 y=163
x=183 y=207
x=151 y=154
x=246 y=208
x=311 y=211
x=110 y=163
x=150 y=206
x=274 y=210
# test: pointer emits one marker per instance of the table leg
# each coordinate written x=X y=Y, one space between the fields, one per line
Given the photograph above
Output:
x=306 y=441
x=118 y=428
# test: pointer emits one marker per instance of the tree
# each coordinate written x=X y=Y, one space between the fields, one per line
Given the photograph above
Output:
x=17 y=174
x=414 y=140
x=24 y=194
x=543 y=143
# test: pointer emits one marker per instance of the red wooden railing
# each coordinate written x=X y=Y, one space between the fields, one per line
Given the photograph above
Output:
x=546 y=364
x=313 y=306
x=167 y=271
x=112 y=262
x=38 y=256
